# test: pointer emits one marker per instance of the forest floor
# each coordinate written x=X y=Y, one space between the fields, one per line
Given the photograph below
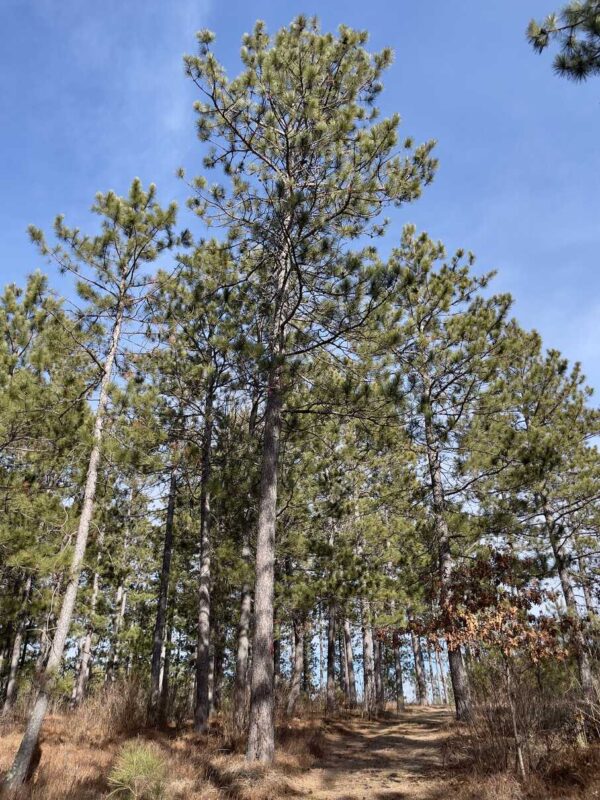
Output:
x=348 y=758
x=386 y=759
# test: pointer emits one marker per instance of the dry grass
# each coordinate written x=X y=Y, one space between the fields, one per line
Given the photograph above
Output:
x=566 y=772
x=79 y=750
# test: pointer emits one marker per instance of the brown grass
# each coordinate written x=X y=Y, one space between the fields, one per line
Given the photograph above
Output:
x=566 y=773
x=80 y=748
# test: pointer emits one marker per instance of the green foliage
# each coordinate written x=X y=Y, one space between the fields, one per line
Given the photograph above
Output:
x=576 y=29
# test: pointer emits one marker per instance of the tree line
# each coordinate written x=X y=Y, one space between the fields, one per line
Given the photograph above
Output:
x=219 y=456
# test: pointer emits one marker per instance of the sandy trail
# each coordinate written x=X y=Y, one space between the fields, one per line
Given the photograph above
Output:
x=391 y=759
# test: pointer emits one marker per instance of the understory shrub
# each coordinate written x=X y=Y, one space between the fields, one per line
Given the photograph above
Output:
x=140 y=773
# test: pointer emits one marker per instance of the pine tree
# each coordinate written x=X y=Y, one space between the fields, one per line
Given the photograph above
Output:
x=310 y=170
x=110 y=271
x=576 y=29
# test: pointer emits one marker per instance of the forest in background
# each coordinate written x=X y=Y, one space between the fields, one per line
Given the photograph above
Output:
x=270 y=473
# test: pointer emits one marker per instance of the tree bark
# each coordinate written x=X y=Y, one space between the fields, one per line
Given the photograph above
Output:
x=307 y=659
x=369 y=696
x=161 y=611
x=379 y=685
x=298 y=667
x=165 y=683
x=243 y=649
x=261 y=738
x=442 y=674
x=20 y=769
x=203 y=660
x=330 y=690
x=420 y=684
x=399 y=683
x=352 y=698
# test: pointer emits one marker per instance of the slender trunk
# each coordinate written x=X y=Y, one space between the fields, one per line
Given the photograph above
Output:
x=11 y=685
x=330 y=691
x=352 y=698
x=584 y=579
x=564 y=574
x=20 y=769
x=513 y=714
x=276 y=655
x=344 y=675
x=369 y=696
x=86 y=650
x=261 y=738
x=163 y=598
x=379 y=682
x=203 y=663
x=442 y=674
x=420 y=684
x=243 y=648
x=13 y=670
x=163 y=706
x=241 y=694
x=432 y=679
x=307 y=661
x=458 y=672
x=399 y=684
x=298 y=666
x=321 y=658
x=115 y=649
x=44 y=648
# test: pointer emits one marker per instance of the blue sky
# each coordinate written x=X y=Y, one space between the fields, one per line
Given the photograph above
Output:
x=93 y=94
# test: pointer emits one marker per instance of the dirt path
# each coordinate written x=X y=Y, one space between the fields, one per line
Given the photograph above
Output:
x=395 y=759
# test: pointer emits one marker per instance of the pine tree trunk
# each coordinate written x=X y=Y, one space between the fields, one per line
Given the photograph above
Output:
x=420 y=684
x=243 y=648
x=330 y=691
x=161 y=611
x=379 y=684
x=435 y=694
x=307 y=659
x=585 y=580
x=276 y=656
x=203 y=660
x=399 y=683
x=352 y=698
x=217 y=676
x=20 y=769
x=165 y=683
x=15 y=657
x=562 y=567
x=261 y=738
x=298 y=668
x=458 y=672
x=442 y=674
x=344 y=675
x=369 y=696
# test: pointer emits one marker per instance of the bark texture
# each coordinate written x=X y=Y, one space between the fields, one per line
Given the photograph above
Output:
x=261 y=737
x=349 y=661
